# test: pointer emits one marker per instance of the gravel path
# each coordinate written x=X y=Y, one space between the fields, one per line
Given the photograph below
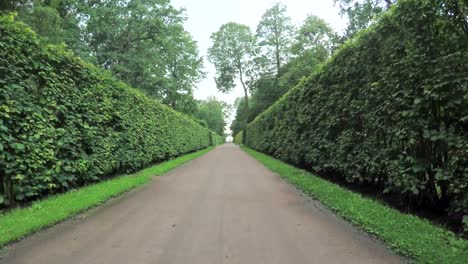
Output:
x=223 y=207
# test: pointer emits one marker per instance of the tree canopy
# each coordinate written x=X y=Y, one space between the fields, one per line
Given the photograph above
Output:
x=233 y=54
x=214 y=113
x=312 y=44
x=361 y=13
x=275 y=34
x=142 y=42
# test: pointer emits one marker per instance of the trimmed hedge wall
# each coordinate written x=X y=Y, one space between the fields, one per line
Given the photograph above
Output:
x=389 y=109
x=216 y=139
x=238 y=138
x=65 y=123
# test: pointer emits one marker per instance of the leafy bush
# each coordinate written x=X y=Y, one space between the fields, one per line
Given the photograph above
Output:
x=65 y=123
x=389 y=109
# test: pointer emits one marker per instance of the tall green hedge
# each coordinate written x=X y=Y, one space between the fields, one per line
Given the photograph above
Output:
x=64 y=123
x=216 y=139
x=238 y=138
x=389 y=109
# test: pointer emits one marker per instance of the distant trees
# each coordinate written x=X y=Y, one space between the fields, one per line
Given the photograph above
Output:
x=288 y=53
x=275 y=33
x=214 y=113
x=143 y=42
x=361 y=13
x=284 y=55
x=315 y=35
x=240 y=116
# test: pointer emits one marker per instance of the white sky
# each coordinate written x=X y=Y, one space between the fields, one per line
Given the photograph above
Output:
x=207 y=16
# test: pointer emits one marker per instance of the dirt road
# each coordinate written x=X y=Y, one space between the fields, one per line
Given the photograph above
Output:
x=223 y=207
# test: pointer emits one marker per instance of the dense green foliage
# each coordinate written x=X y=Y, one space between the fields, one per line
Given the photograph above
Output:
x=406 y=234
x=233 y=54
x=389 y=109
x=213 y=112
x=361 y=13
x=142 y=42
x=274 y=37
x=23 y=221
x=238 y=138
x=65 y=123
x=291 y=59
x=216 y=139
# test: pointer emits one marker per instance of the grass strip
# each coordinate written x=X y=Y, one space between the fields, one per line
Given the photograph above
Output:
x=406 y=234
x=20 y=222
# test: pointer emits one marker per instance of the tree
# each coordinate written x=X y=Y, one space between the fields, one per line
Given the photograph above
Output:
x=240 y=119
x=315 y=35
x=184 y=68
x=232 y=53
x=274 y=33
x=143 y=42
x=312 y=45
x=45 y=21
x=11 y=5
x=361 y=13
x=213 y=112
x=127 y=37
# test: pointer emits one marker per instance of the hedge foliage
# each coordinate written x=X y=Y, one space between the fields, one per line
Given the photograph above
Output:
x=238 y=138
x=389 y=109
x=65 y=123
x=216 y=139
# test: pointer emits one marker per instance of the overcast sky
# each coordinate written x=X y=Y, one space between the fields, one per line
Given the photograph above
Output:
x=206 y=17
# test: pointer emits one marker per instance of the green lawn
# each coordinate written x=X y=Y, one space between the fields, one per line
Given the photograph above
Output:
x=406 y=234
x=23 y=221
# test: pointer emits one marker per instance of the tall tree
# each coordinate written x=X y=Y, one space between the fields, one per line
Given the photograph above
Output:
x=55 y=20
x=46 y=21
x=127 y=37
x=274 y=33
x=313 y=44
x=143 y=42
x=361 y=13
x=184 y=68
x=314 y=35
x=233 y=53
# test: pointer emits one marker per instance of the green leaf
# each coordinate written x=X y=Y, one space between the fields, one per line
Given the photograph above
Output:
x=20 y=196
x=18 y=146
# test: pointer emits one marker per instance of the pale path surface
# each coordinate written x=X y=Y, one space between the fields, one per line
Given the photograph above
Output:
x=223 y=207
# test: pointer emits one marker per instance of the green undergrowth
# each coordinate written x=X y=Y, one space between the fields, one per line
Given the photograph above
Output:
x=20 y=222
x=406 y=234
